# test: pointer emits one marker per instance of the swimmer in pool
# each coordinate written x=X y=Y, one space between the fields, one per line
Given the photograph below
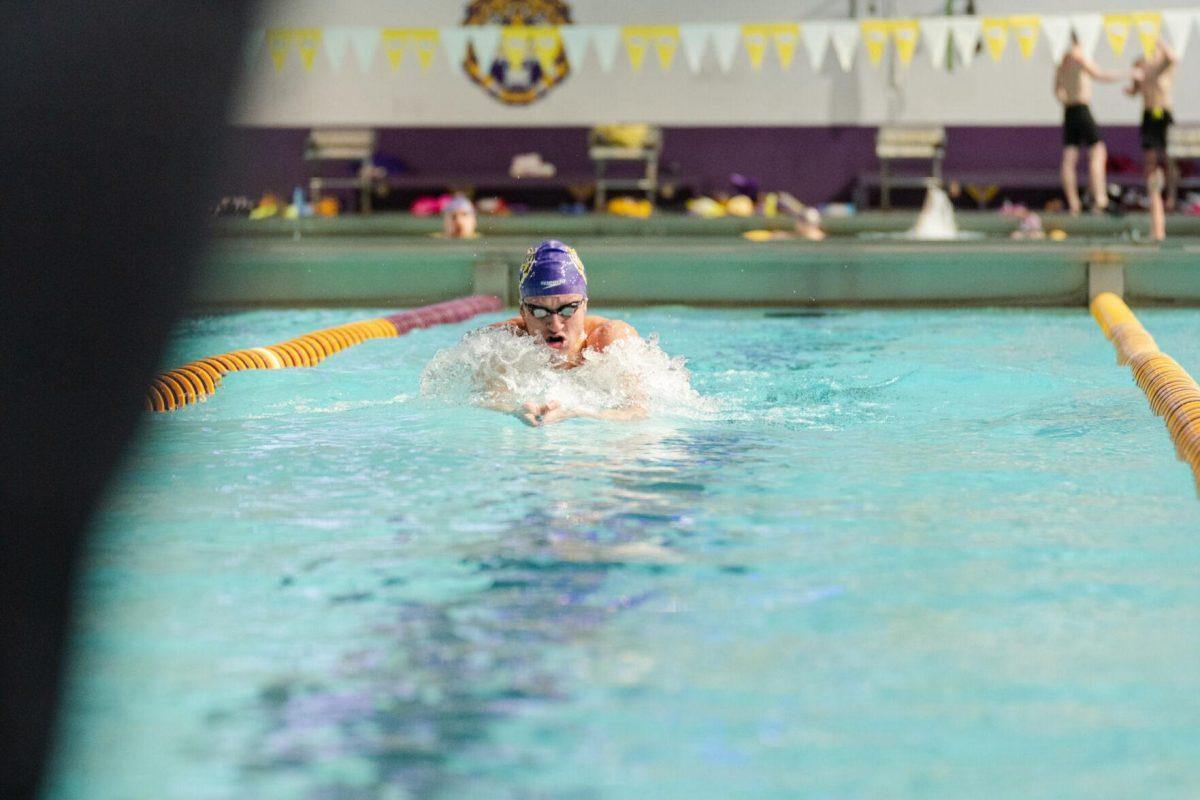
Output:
x=458 y=219
x=554 y=306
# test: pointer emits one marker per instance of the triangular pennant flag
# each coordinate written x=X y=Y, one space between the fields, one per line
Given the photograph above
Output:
x=784 y=35
x=666 y=41
x=1179 y=28
x=337 y=43
x=816 y=42
x=514 y=45
x=1025 y=29
x=605 y=39
x=694 y=38
x=725 y=41
x=574 y=39
x=485 y=41
x=1147 y=24
x=936 y=33
x=254 y=45
x=1087 y=29
x=875 y=38
x=424 y=41
x=278 y=42
x=307 y=41
x=394 y=41
x=904 y=36
x=454 y=45
x=995 y=35
x=1116 y=28
x=546 y=46
x=844 y=36
x=637 y=39
x=754 y=38
x=1057 y=30
x=964 y=31
x=362 y=44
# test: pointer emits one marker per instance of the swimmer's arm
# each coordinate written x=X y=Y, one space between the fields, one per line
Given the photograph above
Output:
x=537 y=415
x=1169 y=55
x=1102 y=75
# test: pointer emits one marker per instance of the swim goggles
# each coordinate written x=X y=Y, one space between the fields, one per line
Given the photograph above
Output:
x=541 y=312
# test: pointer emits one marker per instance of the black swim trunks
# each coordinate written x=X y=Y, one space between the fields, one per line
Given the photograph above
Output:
x=1154 y=128
x=1078 y=126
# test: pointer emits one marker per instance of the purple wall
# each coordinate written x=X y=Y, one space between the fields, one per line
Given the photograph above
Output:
x=815 y=164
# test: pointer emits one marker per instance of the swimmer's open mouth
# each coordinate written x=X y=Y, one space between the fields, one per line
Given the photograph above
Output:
x=556 y=340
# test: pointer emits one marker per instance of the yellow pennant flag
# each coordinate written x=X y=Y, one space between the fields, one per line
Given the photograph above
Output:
x=1116 y=27
x=424 y=40
x=393 y=40
x=904 y=34
x=666 y=41
x=1026 y=28
x=875 y=36
x=785 y=35
x=278 y=42
x=307 y=40
x=755 y=38
x=514 y=44
x=637 y=39
x=995 y=34
x=1147 y=24
x=547 y=44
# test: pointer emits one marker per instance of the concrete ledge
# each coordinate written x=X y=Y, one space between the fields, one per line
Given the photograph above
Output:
x=697 y=271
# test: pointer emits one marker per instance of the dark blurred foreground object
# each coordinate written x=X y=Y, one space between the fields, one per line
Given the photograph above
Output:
x=113 y=115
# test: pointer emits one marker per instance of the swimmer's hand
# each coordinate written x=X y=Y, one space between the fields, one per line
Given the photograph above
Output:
x=538 y=414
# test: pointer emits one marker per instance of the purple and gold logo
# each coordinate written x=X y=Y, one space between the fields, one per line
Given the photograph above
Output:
x=529 y=60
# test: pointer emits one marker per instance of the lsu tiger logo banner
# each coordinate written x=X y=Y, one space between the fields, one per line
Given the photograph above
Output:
x=530 y=60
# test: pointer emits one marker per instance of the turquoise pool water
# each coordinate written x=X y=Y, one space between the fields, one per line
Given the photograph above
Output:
x=892 y=554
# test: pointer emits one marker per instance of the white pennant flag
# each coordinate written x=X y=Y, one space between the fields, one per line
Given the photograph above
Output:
x=1057 y=30
x=485 y=39
x=575 y=40
x=1178 y=25
x=935 y=32
x=844 y=36
x=1087 y=29
x=454 y=43
x=725 y=40
x=360 y=40
x=605 y=39
x=255 y=38
x=816 y=42
x=965 y=32
x=337 y=42
x=694 y=39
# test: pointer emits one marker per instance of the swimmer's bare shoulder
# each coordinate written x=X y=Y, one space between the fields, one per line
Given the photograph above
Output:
x=601 y=332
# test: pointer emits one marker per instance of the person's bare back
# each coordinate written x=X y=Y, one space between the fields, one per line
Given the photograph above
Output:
x=1155 y=78
x=1072 y=84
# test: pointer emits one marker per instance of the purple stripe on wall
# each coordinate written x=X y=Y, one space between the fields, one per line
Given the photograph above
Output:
x=815 y=164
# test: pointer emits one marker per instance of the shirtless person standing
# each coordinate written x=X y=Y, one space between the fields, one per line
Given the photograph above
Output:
x=1153 y=79
x=1073 y=88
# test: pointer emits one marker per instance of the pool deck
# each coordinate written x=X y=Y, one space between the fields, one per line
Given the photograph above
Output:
x=394 y=260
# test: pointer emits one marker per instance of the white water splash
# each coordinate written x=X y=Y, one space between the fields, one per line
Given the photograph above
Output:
x=498 y=367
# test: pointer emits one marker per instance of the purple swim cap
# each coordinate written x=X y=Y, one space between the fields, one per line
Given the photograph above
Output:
x=552 y=268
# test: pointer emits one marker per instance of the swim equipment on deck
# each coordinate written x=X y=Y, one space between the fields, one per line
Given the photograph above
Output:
x=198 y=379
x=1172 y=392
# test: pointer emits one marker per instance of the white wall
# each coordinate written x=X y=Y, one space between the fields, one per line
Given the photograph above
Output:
x=1013 y=92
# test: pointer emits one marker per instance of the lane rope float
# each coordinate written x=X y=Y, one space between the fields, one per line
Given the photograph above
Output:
x=197 y=380
x=1173 y=394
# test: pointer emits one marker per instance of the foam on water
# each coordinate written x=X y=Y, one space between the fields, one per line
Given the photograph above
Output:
x=498 y=367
